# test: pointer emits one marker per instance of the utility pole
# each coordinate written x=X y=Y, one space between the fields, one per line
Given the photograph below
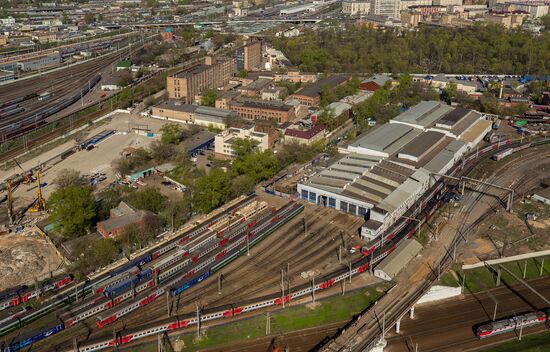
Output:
x=520 y=330
x=248 y=245
x=524 y=269
x=198 y=323
x=219 y=283
x=541 y=266
x=313 y=289
x=267 y=324
x=168 y=303
x=340 y=254
x=496 y=305
x=349 y=272
x=283 y=287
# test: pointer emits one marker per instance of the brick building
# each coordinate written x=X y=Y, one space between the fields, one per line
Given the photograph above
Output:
x=311 y=95
x=263 y=110
x=213 y=74
x=120 y=217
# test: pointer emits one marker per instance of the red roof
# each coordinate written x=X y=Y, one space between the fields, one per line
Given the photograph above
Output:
x=308 y=134
x=370 y=86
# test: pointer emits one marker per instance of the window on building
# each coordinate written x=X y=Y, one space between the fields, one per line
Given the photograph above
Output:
x=304 y=194
x=312 y=197
x=332 y=203
x=343 y=206
x=362 y=211
x=352 y=209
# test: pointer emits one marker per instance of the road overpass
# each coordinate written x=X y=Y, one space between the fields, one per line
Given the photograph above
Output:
x=209 y=23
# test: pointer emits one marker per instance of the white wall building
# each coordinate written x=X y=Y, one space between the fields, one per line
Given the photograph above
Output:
x=223 y=142
x=390 y=167
x=387 y=8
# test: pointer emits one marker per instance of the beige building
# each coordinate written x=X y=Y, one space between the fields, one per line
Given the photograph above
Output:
x=213 y=74
x=507 y=20
x=193 y=114
x=223 y=142
x=351 y=7
x=300 y=135
x=410 y=18
x=249 y=56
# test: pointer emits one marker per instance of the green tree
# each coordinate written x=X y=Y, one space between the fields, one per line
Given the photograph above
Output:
x=243 y=73
x=148 y=198
x=211 y=191
x=545 y=21
x=178 y=212
x=162 y=152
x=73 y=208
x=208 y=97
x=108 y=199
x=171 y=133
x=94 y=255
x=449 y=92
x=242 y=184
x=257 y=165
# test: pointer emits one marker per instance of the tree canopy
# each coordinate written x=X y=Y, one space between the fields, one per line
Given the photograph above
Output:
x=211 y=190
x=480 y=49
x=208 y=97
x=73 y=209
x=171 y=133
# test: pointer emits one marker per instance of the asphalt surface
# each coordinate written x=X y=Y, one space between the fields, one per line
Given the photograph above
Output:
x=449 y=325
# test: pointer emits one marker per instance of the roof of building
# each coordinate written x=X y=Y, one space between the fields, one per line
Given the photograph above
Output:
x=314 y=89
x=423 y=114
x=380 y=80
x=400 y=257
x=122 y=209
x=177 y=106
x=338 y=108
x=422 y=144
x=305 y=134
x=544 y=193
x=387 y=138
x=258 y=84
x=197 y=140
x=478 y=128
x=118 y=222
x=262 y=104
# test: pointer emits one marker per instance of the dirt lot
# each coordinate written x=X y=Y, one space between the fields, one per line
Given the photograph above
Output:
x=23 y=258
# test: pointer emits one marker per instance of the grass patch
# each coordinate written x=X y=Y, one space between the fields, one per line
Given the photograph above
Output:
x=332 y=309
x=480 y=279
x=531 y=343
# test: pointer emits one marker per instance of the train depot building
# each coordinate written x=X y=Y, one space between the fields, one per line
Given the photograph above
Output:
x=385 y=171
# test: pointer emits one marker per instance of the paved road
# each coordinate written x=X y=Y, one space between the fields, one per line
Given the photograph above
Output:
x=448 y=326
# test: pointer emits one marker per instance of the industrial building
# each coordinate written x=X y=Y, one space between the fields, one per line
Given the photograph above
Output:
x=311 y=95
x=191 y=82
x=263 y=110
x=249 y=56
x=398 y=259
x=193 y=114
x=386 y=170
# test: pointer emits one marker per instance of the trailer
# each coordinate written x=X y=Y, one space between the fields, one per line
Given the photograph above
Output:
x=503 y=154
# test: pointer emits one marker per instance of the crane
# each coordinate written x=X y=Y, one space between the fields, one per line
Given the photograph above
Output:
x=27 y=175
x=39 y=203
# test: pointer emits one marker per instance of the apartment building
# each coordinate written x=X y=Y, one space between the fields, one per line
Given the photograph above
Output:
x=213 y=74
x=386 y=8
x=353 y=7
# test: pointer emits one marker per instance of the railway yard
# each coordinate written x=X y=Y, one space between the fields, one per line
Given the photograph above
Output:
x=33 y=102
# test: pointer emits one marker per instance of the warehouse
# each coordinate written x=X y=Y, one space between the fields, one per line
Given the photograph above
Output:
x=398 y=259
x=386 y=170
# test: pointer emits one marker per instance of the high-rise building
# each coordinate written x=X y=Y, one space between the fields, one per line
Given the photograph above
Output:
x=387 y=8
x=356 y=7
x=249 y=56
x=213 y=74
